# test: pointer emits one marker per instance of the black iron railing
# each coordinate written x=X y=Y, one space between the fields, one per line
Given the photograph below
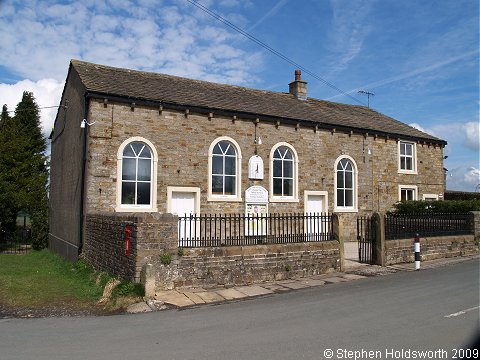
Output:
x=240 y=229
x=406 y=226
x=15 y=242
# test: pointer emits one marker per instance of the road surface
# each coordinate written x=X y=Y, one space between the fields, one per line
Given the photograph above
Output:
x=386 y=317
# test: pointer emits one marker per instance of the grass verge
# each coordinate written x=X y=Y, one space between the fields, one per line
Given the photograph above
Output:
x=42 y=279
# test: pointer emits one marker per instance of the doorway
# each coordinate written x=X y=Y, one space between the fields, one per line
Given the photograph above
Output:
x=316 y=203
x=184 y=202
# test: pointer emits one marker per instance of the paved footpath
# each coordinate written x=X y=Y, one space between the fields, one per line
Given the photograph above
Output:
x=182 y=298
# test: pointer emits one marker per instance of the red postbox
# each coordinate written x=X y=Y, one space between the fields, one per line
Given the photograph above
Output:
x=128 y=231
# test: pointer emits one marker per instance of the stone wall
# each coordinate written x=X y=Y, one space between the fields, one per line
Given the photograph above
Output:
x=240 y=265
x=104 y=248
x=151 y=235
x=154 y=238
x=402 y=251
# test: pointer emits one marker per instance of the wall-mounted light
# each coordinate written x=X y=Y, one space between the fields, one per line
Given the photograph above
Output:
x=257 y=140
x=85 y=122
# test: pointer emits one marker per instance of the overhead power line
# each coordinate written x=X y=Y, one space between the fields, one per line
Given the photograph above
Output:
x=272 y=50
x=38 y=108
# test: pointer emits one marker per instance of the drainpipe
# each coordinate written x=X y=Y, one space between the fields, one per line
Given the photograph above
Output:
x=83 y=180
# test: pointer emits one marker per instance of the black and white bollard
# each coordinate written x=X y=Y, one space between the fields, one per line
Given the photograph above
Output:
x=417 y=252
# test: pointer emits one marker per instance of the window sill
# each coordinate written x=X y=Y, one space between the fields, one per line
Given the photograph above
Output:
x=135 y=209
x=283 y=200
x=410 y=172
x=212 y=198
x=345 y=210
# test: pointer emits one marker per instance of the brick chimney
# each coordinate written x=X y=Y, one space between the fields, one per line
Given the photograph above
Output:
x=298 y=87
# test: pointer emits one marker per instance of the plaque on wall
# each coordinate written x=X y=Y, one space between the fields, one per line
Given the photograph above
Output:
x=256 y=195
x=255 y=168
x=256 y=211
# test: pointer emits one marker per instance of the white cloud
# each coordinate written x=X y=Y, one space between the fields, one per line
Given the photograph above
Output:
x=47 y=93
x=269 y=14
x=472 y=135
x=348 y=31
x=134 y=34
x=463 y=179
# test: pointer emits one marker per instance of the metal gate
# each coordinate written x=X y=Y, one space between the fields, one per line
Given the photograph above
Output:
x=366 y=236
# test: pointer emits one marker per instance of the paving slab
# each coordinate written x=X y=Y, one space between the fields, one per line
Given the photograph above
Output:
x=275 y=287
x=353 y=277
x=295 y=285
x=174 y=298
x=141 y=307
x=313 y=282
x=253 y=290
x=194 y=297
x=210 y=296
x=334 y=279
x=230 y=294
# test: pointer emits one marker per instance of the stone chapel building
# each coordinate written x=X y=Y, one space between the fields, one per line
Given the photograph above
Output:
x=130 y=141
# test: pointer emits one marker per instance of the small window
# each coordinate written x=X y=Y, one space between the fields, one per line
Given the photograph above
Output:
x=407 y=161
x=407 y=193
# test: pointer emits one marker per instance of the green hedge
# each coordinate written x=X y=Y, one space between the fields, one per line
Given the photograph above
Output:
x=434 y=207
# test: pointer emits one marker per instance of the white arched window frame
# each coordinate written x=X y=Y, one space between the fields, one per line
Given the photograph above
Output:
x=126 y=146
x=279 y=175
x=224 y=153
x=346 y=184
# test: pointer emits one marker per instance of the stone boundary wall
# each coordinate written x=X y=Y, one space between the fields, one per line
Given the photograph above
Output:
x=104 y=248
x=241 y=265
x=402 y=251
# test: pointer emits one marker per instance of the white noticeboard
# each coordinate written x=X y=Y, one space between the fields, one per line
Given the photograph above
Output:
x=256 y=211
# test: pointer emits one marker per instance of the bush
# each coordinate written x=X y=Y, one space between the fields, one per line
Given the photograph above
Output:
x=166 y=259
x=435 y=207
x=127 y=288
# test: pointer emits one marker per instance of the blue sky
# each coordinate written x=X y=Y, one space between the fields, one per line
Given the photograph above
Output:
x=419 y=57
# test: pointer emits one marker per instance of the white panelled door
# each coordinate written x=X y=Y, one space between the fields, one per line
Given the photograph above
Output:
x=314 y=205
x=183 y=203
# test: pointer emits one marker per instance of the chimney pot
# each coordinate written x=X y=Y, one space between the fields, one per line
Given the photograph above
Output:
x=298 y=75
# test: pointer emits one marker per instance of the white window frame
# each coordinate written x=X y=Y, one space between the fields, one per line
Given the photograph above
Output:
x=430 y=197
x=294 y=197
x=414 y=157
x=153 y=190
x=346 y=209
x=414 y=188
x=238 y=184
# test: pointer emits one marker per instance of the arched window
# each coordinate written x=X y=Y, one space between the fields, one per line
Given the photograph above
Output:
x=137 y=176
x=224 y=169
x=283 y=172
x=345 y=184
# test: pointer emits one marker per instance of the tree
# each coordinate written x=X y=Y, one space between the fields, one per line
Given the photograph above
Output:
x=23 y=168
x=8 y=189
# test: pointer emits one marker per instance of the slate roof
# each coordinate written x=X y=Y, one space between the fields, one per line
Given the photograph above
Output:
x=167 y=89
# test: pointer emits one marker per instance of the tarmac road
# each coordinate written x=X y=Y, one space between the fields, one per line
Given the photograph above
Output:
x=387 y=317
